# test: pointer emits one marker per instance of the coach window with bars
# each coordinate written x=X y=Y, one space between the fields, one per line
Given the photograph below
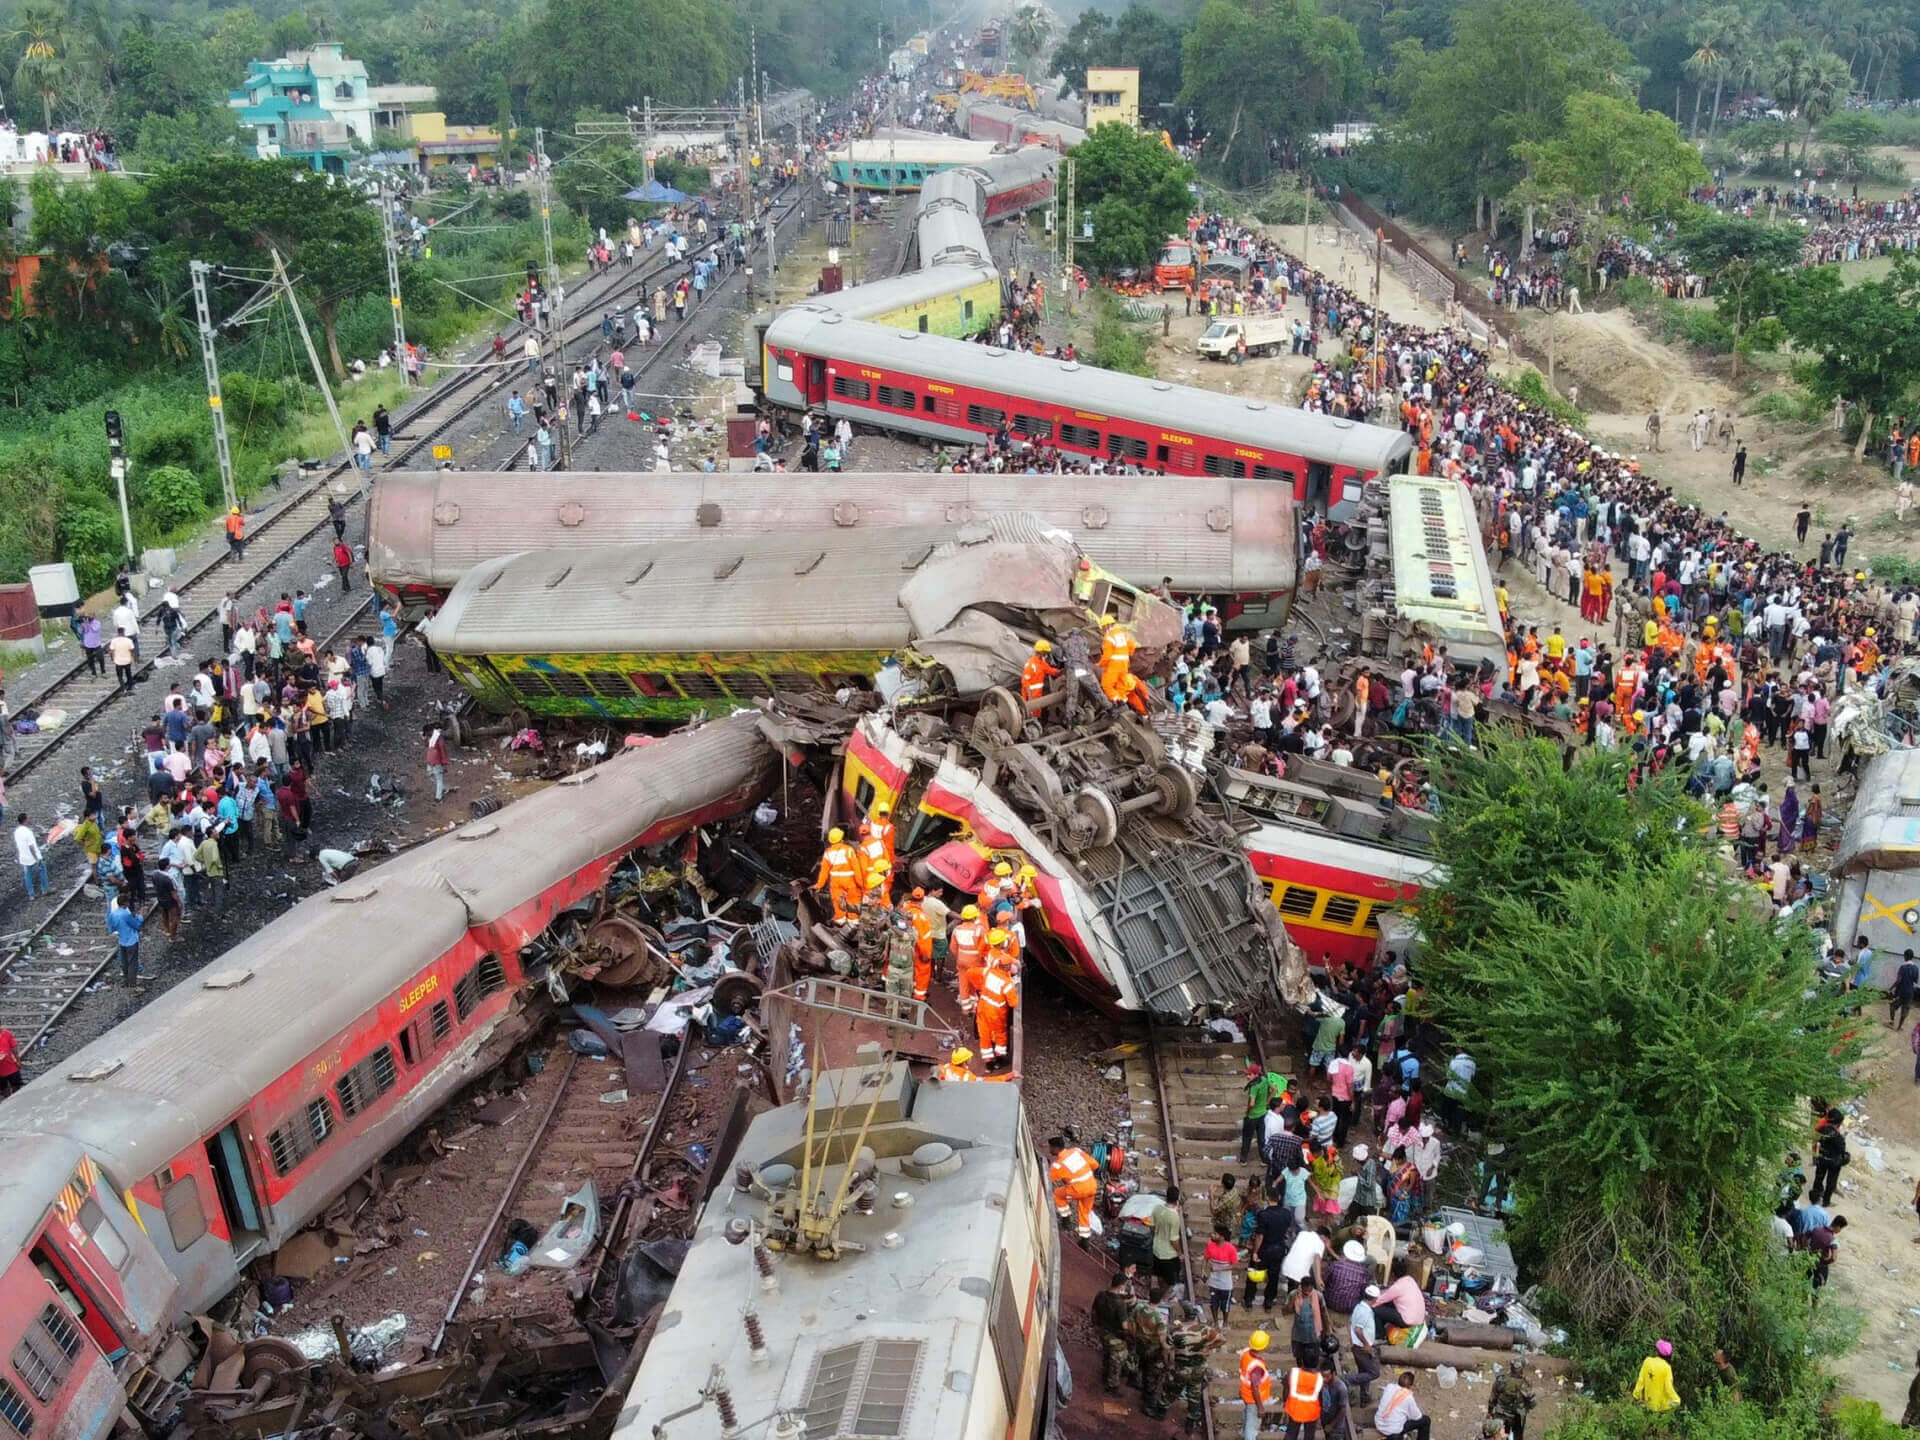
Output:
x=366 y=1082
x=1224 y=465
x=1033 y=427
x=849 y=388
x=1297 y=901
x=1341 y=910
x=987 y=417
x=484 y=979
x=301 y=1135
x=45 y=1352
x=1125 y=447
x=1080 y=437
x=894 y=397
x=14 y=1409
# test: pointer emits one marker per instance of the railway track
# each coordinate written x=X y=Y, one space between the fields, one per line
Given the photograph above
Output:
x=1188 y=1094
x=38 y=986
x=582 y=1135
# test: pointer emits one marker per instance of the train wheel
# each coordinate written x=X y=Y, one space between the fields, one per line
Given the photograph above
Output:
x=735 y=993
x=1176 y=791
x=270 y=1355
x=1091 y=818
x=634 y=954
x=999 y=718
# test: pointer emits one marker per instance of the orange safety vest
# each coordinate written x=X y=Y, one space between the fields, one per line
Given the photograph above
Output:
x=881 y=830
x=922 y=926
x=1116 y=647
x=951 y=1072
x=1002 y=960
x=1072 y=1167
x=997 y=989
x=969 y=942
x=874 y=857
x=836 y=863
x=236 y=526
x=1303 y=1394
x=1034 y=676
x=1256 y=1381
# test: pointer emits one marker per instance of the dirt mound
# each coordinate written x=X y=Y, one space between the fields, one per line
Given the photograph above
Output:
x=1614 y=371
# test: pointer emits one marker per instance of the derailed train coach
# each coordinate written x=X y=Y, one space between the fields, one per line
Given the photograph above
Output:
x=655 y=632
x=140 y=1178
x=1235 y=540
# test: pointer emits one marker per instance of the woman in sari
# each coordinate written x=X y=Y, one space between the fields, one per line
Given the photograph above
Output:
x=1789 y=820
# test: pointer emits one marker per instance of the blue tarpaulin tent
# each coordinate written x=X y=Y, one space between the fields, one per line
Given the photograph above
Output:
x=654 y=193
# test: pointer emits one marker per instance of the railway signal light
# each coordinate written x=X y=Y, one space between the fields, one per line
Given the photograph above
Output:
x=115 y=438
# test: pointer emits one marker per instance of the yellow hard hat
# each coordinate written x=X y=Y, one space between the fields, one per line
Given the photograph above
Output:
x=1028 y=872
x=961 y=1055
x=1003 y=868
x=1043 y=647
x=1869 y=631
x=996 y=937
x=1105 y=621
x=233 y=510
x=881 y=807
x=972 y=912
x=836 y=835
x=1258 y=1340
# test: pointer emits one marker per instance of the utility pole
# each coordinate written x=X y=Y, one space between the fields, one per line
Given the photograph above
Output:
x=557 y=310
x=313 y=357
x=393 y=281
x=1379 y=249
x=199 y=270
x=117 y=468
x=646 y=153
x=1066 y=275
x=749 y=137
x=1306 y=217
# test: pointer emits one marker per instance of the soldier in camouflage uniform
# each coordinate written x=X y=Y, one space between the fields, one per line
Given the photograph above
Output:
x=1192 y=1340
x=1511 y=1399
x=900 y=947
x=1229 y=1206
x=1147 y=1334
x=1110 y=1309
x=874 y=920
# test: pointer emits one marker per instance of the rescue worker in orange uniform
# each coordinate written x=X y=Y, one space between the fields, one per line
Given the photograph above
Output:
x=1303 y=1402
x=967 y=942
x=1038 y=670
x=999 y=995
x=955 y=1070
x=1074 y=1184
x=839 y=875
x=1000 y=885
x=879 y=826
x=873 y=860
x=1256 y=1381
x=922 y=924
x=1117 y=680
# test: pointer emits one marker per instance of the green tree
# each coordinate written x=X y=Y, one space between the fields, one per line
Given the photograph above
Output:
x=1747 y=262
x=1827 y=91
x=1256 y=74
x=41 y=34
x=1029 y=31
x=1647 y=1039
x=1613 y=155
x=1141 y=37
x=1854 y=133
x=1088 y=41
x=583 y=55
x=1502 y=83
x=1136 y=191
x=233 y=211
x=1864 y=339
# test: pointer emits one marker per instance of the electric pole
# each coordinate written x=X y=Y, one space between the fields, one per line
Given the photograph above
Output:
x=557 y=310
x=393 y=282
x=1066 y=275
x=748 y=137
x=117 y=468
x=313 y=357
x=199 y=270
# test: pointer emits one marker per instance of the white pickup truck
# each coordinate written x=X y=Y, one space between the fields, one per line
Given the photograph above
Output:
x=1265 y=335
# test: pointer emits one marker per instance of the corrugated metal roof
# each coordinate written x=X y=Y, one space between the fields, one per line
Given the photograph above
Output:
x=816 y=590
x=814 y=330
x=1208 y=533
x=194 y=1057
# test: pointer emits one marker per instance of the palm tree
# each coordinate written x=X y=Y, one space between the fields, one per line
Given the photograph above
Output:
x=40 y=33
x=1708 y=60
x=1827 y=90
x=1736 y=58
x=1793 y=66
x=1030 y=30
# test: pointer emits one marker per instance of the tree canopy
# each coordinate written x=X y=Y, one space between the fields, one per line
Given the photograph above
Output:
x=1863 y=340
x=1262 y=76
x=1140 y=37
x=1611 y=155
x=1135 y=190
x=1646 y=1038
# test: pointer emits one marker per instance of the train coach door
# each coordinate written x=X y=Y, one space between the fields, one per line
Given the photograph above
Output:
x=816 y=385
x=1319 y=494
x=238 y=1201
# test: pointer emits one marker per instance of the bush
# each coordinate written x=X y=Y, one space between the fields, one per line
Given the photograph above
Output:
x=1116 y=346
x=170 y=496
x=683 y=175
x=250 y=400
x=513 y=205
x=1531 y=386
x=90 y=538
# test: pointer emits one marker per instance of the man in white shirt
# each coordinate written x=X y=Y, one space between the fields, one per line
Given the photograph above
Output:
x=1303 y=1256
x=1260 y=712
x=33 y=859
x=1399 y=1413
